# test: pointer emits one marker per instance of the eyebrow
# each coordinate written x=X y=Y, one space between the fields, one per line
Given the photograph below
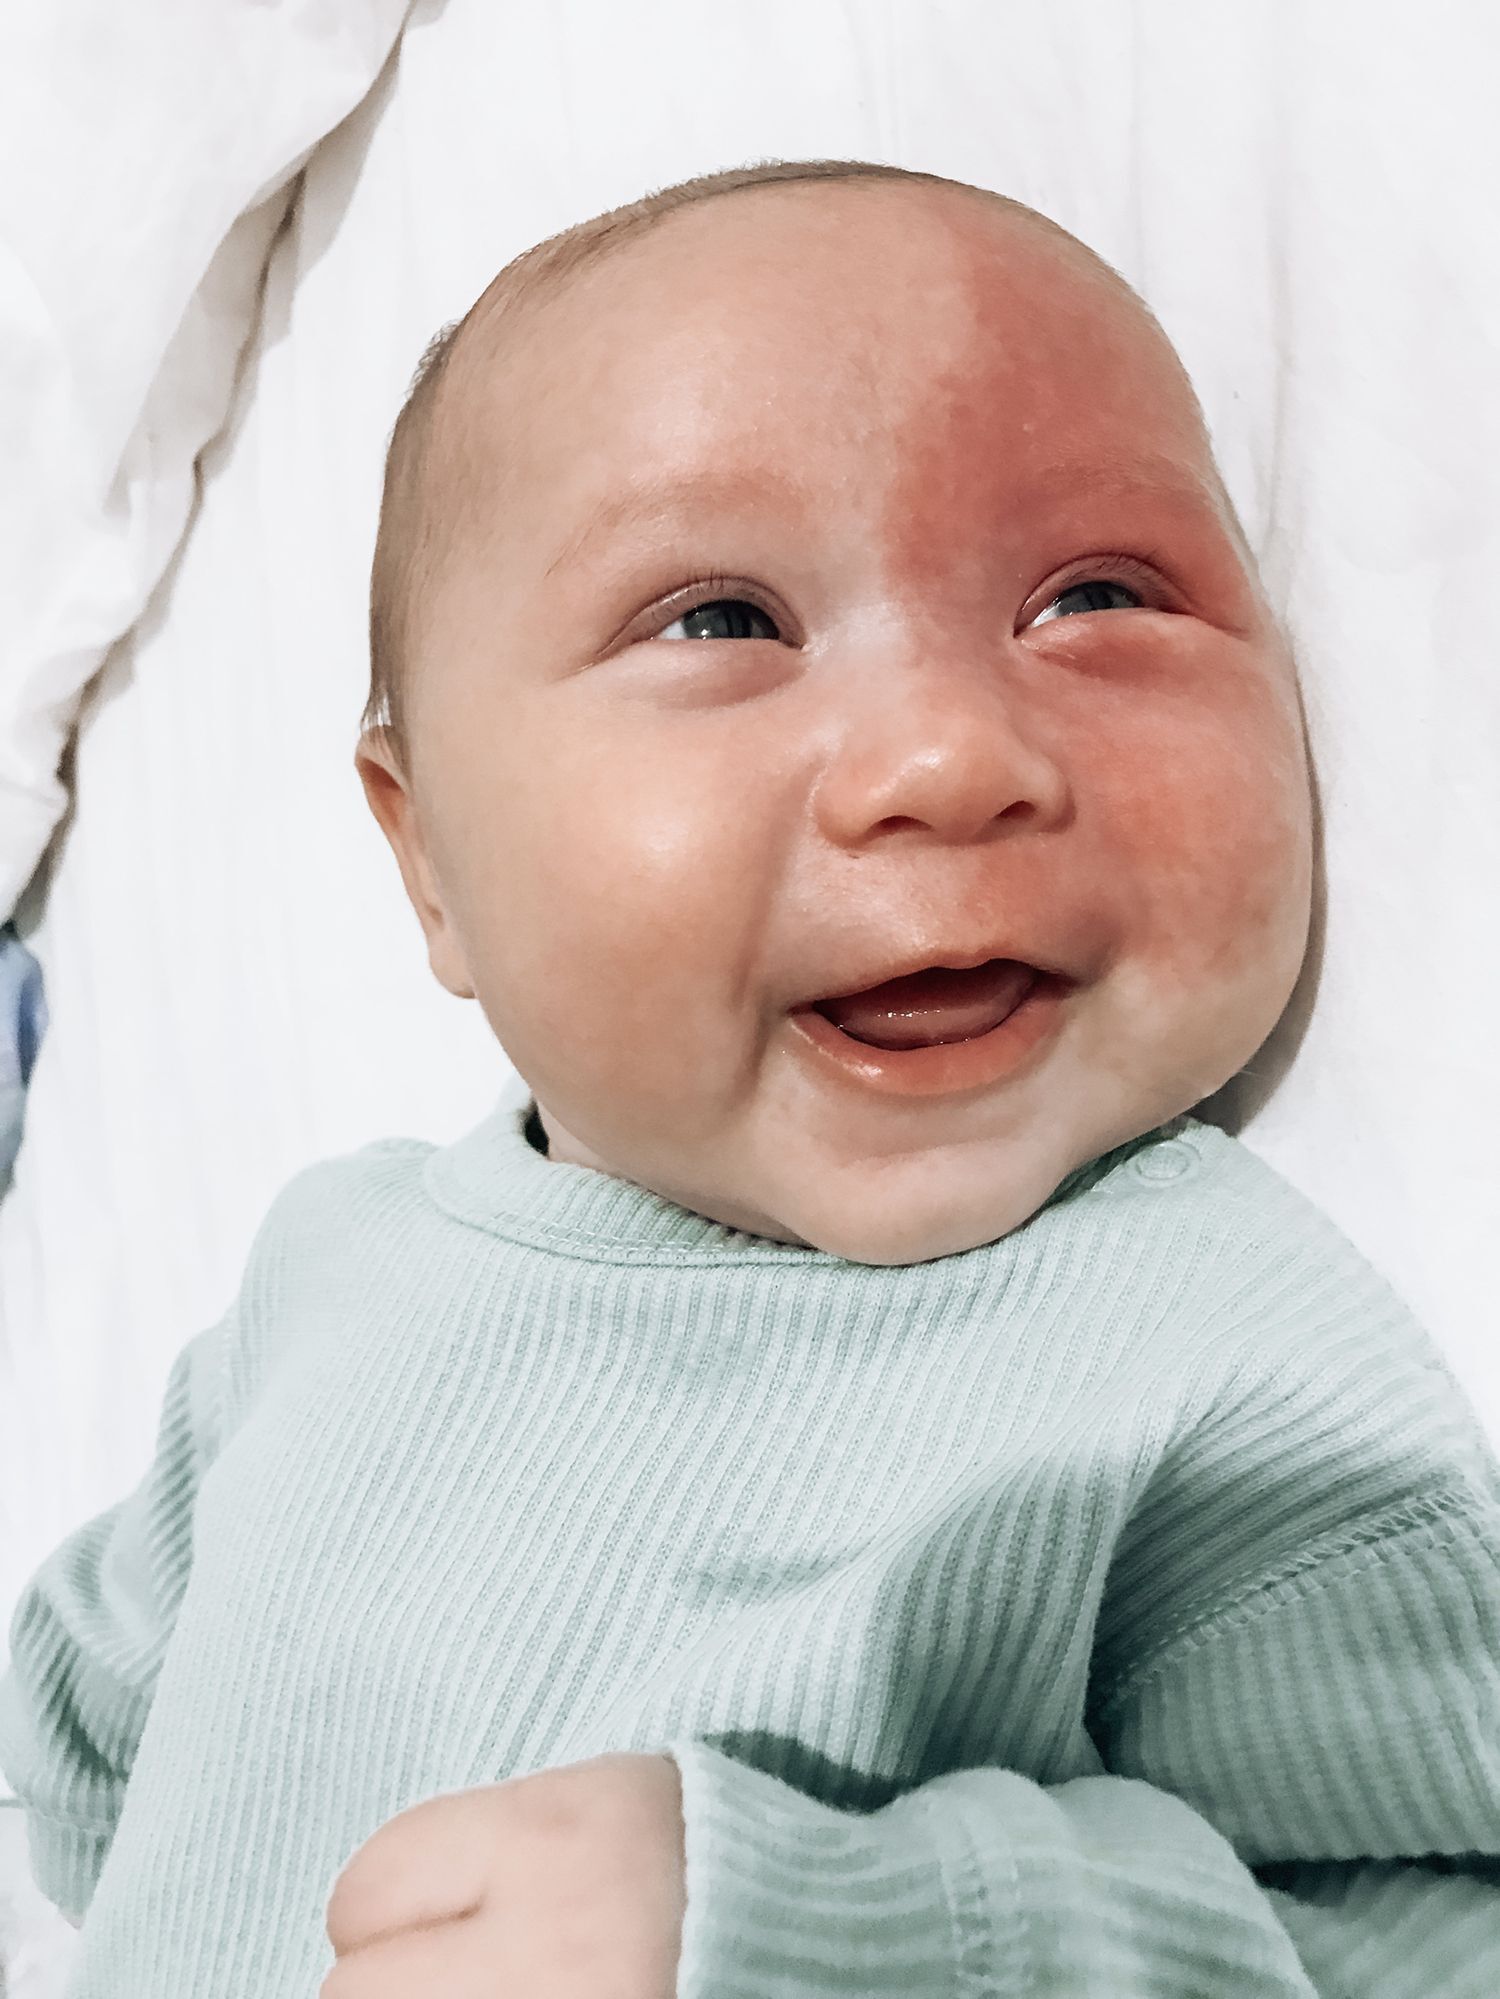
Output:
x=1152 y=478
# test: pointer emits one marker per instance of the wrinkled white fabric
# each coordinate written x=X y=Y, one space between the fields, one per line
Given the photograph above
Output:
x=147 y=155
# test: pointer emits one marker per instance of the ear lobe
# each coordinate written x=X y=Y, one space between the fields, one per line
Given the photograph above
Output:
x=391 y=803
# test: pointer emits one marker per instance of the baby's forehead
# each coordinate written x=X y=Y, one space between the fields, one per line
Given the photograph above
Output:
x=865 y=263
x=960 y=344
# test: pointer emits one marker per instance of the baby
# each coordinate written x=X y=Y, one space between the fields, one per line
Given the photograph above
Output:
x=855 y=1488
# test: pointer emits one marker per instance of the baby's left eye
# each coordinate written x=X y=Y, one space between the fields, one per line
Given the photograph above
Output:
x=1096 y=589
x=722 y=618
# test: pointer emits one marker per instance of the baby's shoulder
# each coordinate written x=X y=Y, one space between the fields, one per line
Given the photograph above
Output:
x=1258 y=1214
x=340 y=1200
x=319 y=1245
x=1293 y=1297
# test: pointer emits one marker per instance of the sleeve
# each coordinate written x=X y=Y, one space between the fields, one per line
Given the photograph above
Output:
x=1295 y=1695
x=88 y=1636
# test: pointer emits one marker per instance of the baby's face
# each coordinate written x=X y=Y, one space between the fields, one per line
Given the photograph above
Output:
x=897 y=430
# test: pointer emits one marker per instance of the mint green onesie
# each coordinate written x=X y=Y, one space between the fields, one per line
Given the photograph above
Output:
x=1111 y=1609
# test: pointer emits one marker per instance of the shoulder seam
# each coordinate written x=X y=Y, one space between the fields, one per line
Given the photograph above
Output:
x=1433 y=1518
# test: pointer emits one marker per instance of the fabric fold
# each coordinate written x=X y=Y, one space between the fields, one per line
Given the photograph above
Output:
x=126 y=301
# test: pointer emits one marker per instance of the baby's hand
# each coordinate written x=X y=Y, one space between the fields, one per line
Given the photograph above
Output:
x=567 y=1884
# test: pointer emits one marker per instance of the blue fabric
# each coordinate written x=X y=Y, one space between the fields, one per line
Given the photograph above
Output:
x=23 y=1022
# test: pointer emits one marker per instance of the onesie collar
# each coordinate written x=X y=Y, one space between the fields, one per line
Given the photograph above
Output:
x=496 y=1179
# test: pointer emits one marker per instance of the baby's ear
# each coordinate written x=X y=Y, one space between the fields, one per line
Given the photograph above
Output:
x=390 y=799
x=383 y=779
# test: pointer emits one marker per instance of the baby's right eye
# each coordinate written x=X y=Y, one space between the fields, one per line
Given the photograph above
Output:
x=722 y=618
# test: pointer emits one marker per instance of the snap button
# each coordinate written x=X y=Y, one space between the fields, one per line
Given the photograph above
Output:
x=1165 y=1162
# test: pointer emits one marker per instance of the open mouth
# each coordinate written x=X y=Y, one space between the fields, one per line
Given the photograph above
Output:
x=933 y=1007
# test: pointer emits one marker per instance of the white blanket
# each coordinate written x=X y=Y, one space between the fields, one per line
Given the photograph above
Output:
x=236 y=984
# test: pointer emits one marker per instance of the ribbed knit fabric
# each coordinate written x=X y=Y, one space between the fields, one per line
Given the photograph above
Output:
x=1112 y=1609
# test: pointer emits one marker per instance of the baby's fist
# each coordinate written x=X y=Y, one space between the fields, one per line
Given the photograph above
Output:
x=567 y=1884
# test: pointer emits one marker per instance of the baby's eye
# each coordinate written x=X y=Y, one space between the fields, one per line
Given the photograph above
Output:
x=722 y=618
x=1096 y=590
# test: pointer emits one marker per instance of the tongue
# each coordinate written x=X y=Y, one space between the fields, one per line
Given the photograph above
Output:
x=931 y=1006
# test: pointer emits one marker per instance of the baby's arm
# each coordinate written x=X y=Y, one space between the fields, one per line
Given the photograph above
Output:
x=1299 y=1639
x=1294 y=1696
x=88 y=1637
x=1300 y=1800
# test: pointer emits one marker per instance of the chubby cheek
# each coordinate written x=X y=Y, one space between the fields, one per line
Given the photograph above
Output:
x=641 y=888
x=1208 y=824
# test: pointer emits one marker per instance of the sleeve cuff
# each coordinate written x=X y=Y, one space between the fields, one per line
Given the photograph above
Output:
x=65 y=1861
x=789 y=1895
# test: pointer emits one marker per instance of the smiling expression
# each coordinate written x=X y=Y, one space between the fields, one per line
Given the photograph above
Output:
x=764 y=658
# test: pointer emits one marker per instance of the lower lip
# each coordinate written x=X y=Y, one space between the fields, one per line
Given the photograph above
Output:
x=946 y=1067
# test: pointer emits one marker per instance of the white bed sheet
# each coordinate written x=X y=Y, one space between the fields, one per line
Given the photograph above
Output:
x=235 y=981
x=146 y=155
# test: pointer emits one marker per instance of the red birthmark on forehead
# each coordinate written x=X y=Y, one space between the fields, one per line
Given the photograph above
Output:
x=1048 y=399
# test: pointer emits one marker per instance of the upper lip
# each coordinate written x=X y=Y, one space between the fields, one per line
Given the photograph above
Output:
x=948 y=960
